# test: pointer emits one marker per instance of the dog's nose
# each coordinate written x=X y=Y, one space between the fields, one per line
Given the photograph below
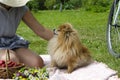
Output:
x=53 y=30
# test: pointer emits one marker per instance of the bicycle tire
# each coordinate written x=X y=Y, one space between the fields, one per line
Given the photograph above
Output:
x=113 y=30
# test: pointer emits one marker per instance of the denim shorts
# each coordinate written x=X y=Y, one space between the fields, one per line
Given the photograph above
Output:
x=13 y=42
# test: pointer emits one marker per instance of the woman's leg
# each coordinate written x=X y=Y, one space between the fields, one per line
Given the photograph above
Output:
x=29 y=58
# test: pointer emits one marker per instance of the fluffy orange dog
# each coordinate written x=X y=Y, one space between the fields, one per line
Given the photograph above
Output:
x=66 y=50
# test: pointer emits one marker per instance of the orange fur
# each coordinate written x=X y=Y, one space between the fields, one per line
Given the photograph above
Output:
x=66 y=50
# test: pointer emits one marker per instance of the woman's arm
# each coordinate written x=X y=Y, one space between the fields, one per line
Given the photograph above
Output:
x=41 y=31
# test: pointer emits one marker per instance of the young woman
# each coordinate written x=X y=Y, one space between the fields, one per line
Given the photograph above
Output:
x=11 y=13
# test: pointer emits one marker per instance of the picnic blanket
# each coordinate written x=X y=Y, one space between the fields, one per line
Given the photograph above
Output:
x=94 y=71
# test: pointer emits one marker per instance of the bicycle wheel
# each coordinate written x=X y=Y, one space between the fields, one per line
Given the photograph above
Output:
x=113 y=29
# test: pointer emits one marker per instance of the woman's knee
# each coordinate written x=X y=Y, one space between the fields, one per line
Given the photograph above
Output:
x=38 y=62
x=12 y=55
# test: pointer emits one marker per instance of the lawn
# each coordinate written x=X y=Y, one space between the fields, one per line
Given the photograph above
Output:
x=90 y=26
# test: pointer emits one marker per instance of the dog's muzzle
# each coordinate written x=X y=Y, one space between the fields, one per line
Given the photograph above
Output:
x=55 y=32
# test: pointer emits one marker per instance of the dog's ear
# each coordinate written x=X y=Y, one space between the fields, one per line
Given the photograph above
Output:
x=67 y=33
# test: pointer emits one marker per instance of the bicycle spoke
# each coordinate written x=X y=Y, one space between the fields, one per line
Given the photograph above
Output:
x=115 y=38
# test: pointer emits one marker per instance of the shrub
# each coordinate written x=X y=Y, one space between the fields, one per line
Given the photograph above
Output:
x=94 y=5
x=97 y=5
x=76 y=3
x=33 y=5
x=36 y=5
x=49 y=3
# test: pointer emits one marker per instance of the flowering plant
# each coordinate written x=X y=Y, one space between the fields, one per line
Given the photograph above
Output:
x=31 y=74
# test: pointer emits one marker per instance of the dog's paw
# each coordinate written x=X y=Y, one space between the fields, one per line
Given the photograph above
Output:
x=53 y=64
x=70 y=69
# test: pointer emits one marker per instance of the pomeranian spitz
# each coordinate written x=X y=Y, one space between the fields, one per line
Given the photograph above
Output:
x=66 y=50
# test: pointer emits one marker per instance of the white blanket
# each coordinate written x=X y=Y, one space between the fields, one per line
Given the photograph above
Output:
x=94 y=71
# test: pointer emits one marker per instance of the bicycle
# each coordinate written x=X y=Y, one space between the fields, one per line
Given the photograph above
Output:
x=113 y=29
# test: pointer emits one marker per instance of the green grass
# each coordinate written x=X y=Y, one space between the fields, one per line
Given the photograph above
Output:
x=91 y=28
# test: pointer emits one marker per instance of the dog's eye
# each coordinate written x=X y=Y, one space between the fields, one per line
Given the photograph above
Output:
x=58 y=30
